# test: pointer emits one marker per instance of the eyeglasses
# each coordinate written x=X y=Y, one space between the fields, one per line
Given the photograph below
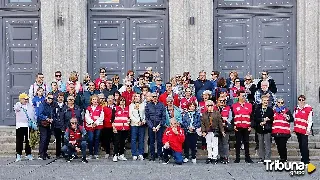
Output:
x=248 y=79
x=212 y=74
x=102 y=72
x=169 y=101
x=73 y=122
x=70 y=99
x=237 y=81
x=41 y=77
x=222 y=101
x=301 y=99
x=122 y=100
x=154 y=96
x=281 y=102
x=129 y=85
x=264 y=74
x=210 y=105
x=58 y=75
x=188 y=91
x=50 y=98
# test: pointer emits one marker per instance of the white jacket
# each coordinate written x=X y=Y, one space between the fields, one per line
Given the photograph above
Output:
x=21 y=117
x=135 y=115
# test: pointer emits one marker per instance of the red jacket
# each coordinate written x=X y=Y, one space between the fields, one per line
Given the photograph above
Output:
x=107 y=117
x=301 y=119
x=163 y=99
x=97 y=82
x=121 y=119
x=242 y=115
x=235 y=89
x=128 y=96
x=94 y=116
x=203 y=107
x=225 y=113
x=175 y=140
x=184 y=102
x=280 y=124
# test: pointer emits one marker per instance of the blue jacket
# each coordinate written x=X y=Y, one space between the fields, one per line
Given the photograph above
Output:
x=177 y=116
x=86 y=98
x=36 y=102
x=155 y=89
x=155 y=114
x=137 y=89
x=201 y=86
x=46 y=111
x=68 y=115
x=59 y=121
x=186 y=120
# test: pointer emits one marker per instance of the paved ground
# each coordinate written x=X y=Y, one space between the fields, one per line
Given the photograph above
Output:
x=105 y=169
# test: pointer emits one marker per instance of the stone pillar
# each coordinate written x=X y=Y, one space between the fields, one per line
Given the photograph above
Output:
x=308 y=53
x=64 y=45
x=191 y=46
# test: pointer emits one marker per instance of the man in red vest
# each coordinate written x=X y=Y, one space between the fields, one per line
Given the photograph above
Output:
x=75 y=141
x=302 y=126
x=242 y=125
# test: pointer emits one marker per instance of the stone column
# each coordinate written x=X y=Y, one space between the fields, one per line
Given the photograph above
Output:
x=64 y=44
x=191 y=46
x=308 y=53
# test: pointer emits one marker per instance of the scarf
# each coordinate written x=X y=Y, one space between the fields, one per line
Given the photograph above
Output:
x=279 y=109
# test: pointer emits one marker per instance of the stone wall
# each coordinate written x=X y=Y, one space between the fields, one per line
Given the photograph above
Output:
x=191 y=46
x=308 y=52
x=64 y=47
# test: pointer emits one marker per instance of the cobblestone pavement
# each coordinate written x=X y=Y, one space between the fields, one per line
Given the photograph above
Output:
x=138 y=170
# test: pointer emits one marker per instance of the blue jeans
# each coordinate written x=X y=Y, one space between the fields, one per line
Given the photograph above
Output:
x=176 y=155
x=69 y=150
x=93 y=141
x=152 y=136
x=137 y=132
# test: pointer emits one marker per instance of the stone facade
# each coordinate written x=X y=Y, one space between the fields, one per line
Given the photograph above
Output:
x=191 y=46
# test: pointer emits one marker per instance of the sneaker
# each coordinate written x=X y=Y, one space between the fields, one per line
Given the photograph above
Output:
x=140 y=157
x=122 y=158
x=242 y=146
x=134 y=158
x=115 y=158
x=261 y=161
x=18 y=157
x=152 y=158
x=237 y=161
x=185 y=160
x=90 y=157
x=69 y=159
x=96 y=156
x=30 y=157
x=194 y=161
x=214 y=161
x=165 y=161
x=40 y=158
x=84 y=160
x=106 y=156
x=208 y=161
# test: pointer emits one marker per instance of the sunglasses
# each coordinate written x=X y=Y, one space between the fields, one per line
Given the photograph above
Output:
x=264 y=74
x=102 y=72
x=237 y=81
x=301 y=99
x=248 y=79
x=58 y=75
x=212 y=74
x=26 y=99
x=222 y=101
x=50 y=98
x=209 y=105
x=70 y=99
x=122 y=100
x=129 y=85
x=154 y=96
x=281 y=102
x=73 y=122
x=117 y=78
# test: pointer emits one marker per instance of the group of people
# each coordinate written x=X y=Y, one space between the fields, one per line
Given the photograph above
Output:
x=160 y=120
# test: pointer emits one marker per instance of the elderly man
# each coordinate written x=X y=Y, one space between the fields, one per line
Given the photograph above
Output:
x=173 y=139
x=39 y=83
x=265 y=91
x=75 y=141
x=266 y=77
x=158 y=86
x=155 y=117
x=201 y=85
x=58 y=79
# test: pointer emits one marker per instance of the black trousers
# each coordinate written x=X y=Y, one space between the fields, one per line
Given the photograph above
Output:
x=190 y=143
x=242 y=135
x=256 y=139
x=22 y=135
x=281 y=143
x=119 y=142
x=303 y=146
x=59 y=135
x=45 y=135
x=106 y=137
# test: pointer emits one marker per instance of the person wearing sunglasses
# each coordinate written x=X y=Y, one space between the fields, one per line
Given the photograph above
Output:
x=266 y=77
x=102 y=77
x=303 y=126
x=233 y=91
x=116 y=82
x=24 y=118
x=226 y=115
x=73 y=92
x=75 y=139
x=45 y=117
x=265 y=91
x=86 y=81
x=250 y=88
x=212 y=128
x=93 y=123
x=281 y=128
x=242 y=125
x=128 y=93
x=58 y=79
x=157 y=86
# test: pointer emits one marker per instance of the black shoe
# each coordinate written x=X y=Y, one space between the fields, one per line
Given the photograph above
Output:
x=145 y=155
x=248 y=160
x=69 y=159
x=48 y=157
x=84 y=160
x=214 y=161
x=237 y=161
x=152 y=158
x=208 y=161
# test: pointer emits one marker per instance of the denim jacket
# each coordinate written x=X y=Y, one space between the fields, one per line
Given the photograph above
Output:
x=186 y=120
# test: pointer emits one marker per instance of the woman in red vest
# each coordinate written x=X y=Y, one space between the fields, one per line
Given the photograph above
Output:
x=188 y=98
x=93 y=124
x=281 y=128
x=120 y=129
x=302 y=126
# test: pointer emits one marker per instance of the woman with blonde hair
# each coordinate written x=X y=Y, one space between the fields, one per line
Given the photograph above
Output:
x=74 y=78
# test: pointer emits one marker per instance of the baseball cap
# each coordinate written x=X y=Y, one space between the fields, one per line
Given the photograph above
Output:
x=23 y=96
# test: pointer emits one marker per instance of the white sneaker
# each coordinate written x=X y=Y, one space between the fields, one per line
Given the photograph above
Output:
x=106 y=156
x=134 y=158
x=242 y=146
x=185 y=160
x=194 y=161
x=115 y=158
x=122 y=158
x=140 y=158
x=96 y=156
x=90 y=157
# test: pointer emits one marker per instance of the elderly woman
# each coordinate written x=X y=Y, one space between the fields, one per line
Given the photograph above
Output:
x=281 y=128
x=187 y=99
x=172 y=111
x=263 y=119
x=302 y=126
x=265 y=91
x=250 y=88
x=186 y=84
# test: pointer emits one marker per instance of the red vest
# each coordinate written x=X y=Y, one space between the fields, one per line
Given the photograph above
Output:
x=107 y=117
x=234 y=91
x=203 y=107
x=75 y=135
x=121 y=120
x=225 y=113
x=93 y=114
x=242 y=115
x=280 y=123
x=301 y=119
x=128 y=96
x=184 y=102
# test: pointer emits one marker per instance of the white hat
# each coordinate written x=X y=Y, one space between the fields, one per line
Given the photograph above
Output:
x=207 y=92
